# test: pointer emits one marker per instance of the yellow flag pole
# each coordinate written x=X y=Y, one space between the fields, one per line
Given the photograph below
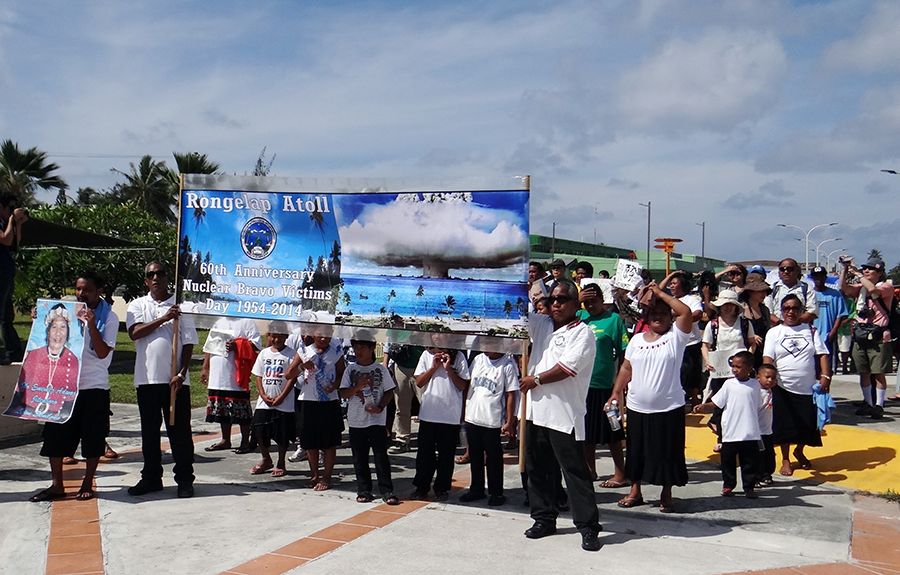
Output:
x=175 y=350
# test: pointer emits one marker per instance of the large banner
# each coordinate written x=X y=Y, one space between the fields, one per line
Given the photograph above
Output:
x=48 y=382
x=418 y=260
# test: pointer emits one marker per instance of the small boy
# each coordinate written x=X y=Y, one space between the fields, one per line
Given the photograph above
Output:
x=369 y=387
x=741 y=401
x=274 y=417
x=494 y=382
x=768 y=378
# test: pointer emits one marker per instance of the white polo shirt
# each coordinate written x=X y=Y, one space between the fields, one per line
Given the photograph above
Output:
x=222 y=369
x=153 y=363
x=95 y=371
x=561 y=405
x=806 y=294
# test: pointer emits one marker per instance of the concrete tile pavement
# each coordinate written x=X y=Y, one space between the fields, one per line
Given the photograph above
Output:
x=243 y=524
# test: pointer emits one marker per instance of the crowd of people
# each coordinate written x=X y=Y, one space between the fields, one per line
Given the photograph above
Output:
x=612 y=367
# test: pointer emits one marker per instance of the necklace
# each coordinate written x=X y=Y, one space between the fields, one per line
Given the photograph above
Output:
x=54 y=364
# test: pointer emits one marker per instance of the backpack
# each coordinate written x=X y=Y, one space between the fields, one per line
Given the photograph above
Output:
x=745 y=329
x=893 y=317
x=804 y=288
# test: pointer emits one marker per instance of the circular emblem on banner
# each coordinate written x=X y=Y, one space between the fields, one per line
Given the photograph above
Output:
x=258 y=238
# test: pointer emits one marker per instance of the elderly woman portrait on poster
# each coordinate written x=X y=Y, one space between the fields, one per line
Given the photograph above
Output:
x=48 y=383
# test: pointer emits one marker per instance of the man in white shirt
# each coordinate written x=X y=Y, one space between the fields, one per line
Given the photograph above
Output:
x=150 y=323
x=90 y=416
x=560 y=374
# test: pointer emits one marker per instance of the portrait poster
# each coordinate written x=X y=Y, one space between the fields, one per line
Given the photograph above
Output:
x=418 y=259
x=48 y=382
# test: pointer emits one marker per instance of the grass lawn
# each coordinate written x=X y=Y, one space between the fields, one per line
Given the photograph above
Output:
x=121 y=371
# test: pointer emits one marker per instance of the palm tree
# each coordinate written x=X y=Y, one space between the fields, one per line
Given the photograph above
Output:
x=419 y=293
x=148 y=187
x=190 y=163
x=507 y=308
x=22 y=173
x=520 y=305
x=450 y=302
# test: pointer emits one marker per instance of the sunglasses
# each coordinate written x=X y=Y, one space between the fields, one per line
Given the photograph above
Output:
x=786 y=269
x=734 y=273
x=561 y=299
x=796 y=308
x=867 y=268
x=153 y=273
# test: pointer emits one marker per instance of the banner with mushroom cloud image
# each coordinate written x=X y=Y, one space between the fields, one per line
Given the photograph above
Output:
x=347 y=253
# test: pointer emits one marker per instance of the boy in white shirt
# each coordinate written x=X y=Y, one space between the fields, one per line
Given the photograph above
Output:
x=274 y=417
x=443 y=375
x=369 y=389
x=494 y=382
x=741 y=401
x=768 y=378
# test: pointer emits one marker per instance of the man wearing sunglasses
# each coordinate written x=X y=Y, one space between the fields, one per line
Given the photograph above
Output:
x=150 y=323
x=557 y=385
x=789 y=282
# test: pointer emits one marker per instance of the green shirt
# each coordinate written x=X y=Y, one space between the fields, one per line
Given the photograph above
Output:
x=612 y=339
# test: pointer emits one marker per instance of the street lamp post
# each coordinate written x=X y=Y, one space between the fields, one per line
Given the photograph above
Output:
x=703 y=240
x=807 y=236
x=828 y=257
x=818 y=245
x=647 y=205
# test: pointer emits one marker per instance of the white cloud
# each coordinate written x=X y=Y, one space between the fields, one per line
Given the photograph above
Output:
x=876 y=46
x=769 y=195
x=720 y=80
x=852 y=145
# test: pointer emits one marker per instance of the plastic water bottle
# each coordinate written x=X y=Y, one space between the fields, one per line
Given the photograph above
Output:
x=367 y=396
x=612 y=413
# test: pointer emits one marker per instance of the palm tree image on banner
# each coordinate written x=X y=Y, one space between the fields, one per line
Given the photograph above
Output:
x=447 y=261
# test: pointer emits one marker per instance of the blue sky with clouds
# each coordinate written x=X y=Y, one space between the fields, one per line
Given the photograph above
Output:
x=742 y=114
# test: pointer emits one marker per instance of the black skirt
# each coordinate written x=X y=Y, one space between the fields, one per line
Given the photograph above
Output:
x=655 y=448
x=794 y=419
x=273 y=425
x=228 y=407
x=596 y=424
x=321 y=424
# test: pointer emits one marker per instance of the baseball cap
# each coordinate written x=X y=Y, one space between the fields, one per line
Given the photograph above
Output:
x=757 y=269
x=875 y=264
x=819 y=270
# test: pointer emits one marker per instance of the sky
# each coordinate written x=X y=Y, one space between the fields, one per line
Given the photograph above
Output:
x=741 y=114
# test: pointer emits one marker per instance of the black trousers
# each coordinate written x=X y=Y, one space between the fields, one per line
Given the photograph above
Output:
x=767 y=459
x=485 y=441
x=153 y=405
x=361 y=440
x=543 y=446
x=437 y=448
x=749 y=454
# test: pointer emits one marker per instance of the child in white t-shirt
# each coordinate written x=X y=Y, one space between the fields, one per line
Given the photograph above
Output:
x=443 y=375
x=321 y=420
x=491 y=392
x=741 y=401
x=274 y=417
x=768 y=378
x=369 y=389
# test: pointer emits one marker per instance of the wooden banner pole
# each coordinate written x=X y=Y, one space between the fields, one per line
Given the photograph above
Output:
x=175 y=353
x=522 y=410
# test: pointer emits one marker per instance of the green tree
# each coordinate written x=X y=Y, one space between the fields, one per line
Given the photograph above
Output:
x=875 y=253
x=450 y=302
x=50 y=272
x=262 y=168
x=23 y=173
x=148 y=187
x=507 y=308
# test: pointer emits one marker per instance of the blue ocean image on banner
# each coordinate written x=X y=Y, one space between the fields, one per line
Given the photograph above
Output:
x=355 y=258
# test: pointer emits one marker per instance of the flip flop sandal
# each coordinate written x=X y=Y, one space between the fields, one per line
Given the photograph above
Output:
x=46 y=495
x=217 y=447
x=610 y=484
x=279 y=472
x=243 y=450
x=667 y=508
x=462 y=460
x=321 y=486
x=261 y=468
x=391 y=499
x=85 y=494
x=364 y=497
x=629 y=502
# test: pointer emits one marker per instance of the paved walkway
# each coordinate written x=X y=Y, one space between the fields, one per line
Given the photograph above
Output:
x=812 y=523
